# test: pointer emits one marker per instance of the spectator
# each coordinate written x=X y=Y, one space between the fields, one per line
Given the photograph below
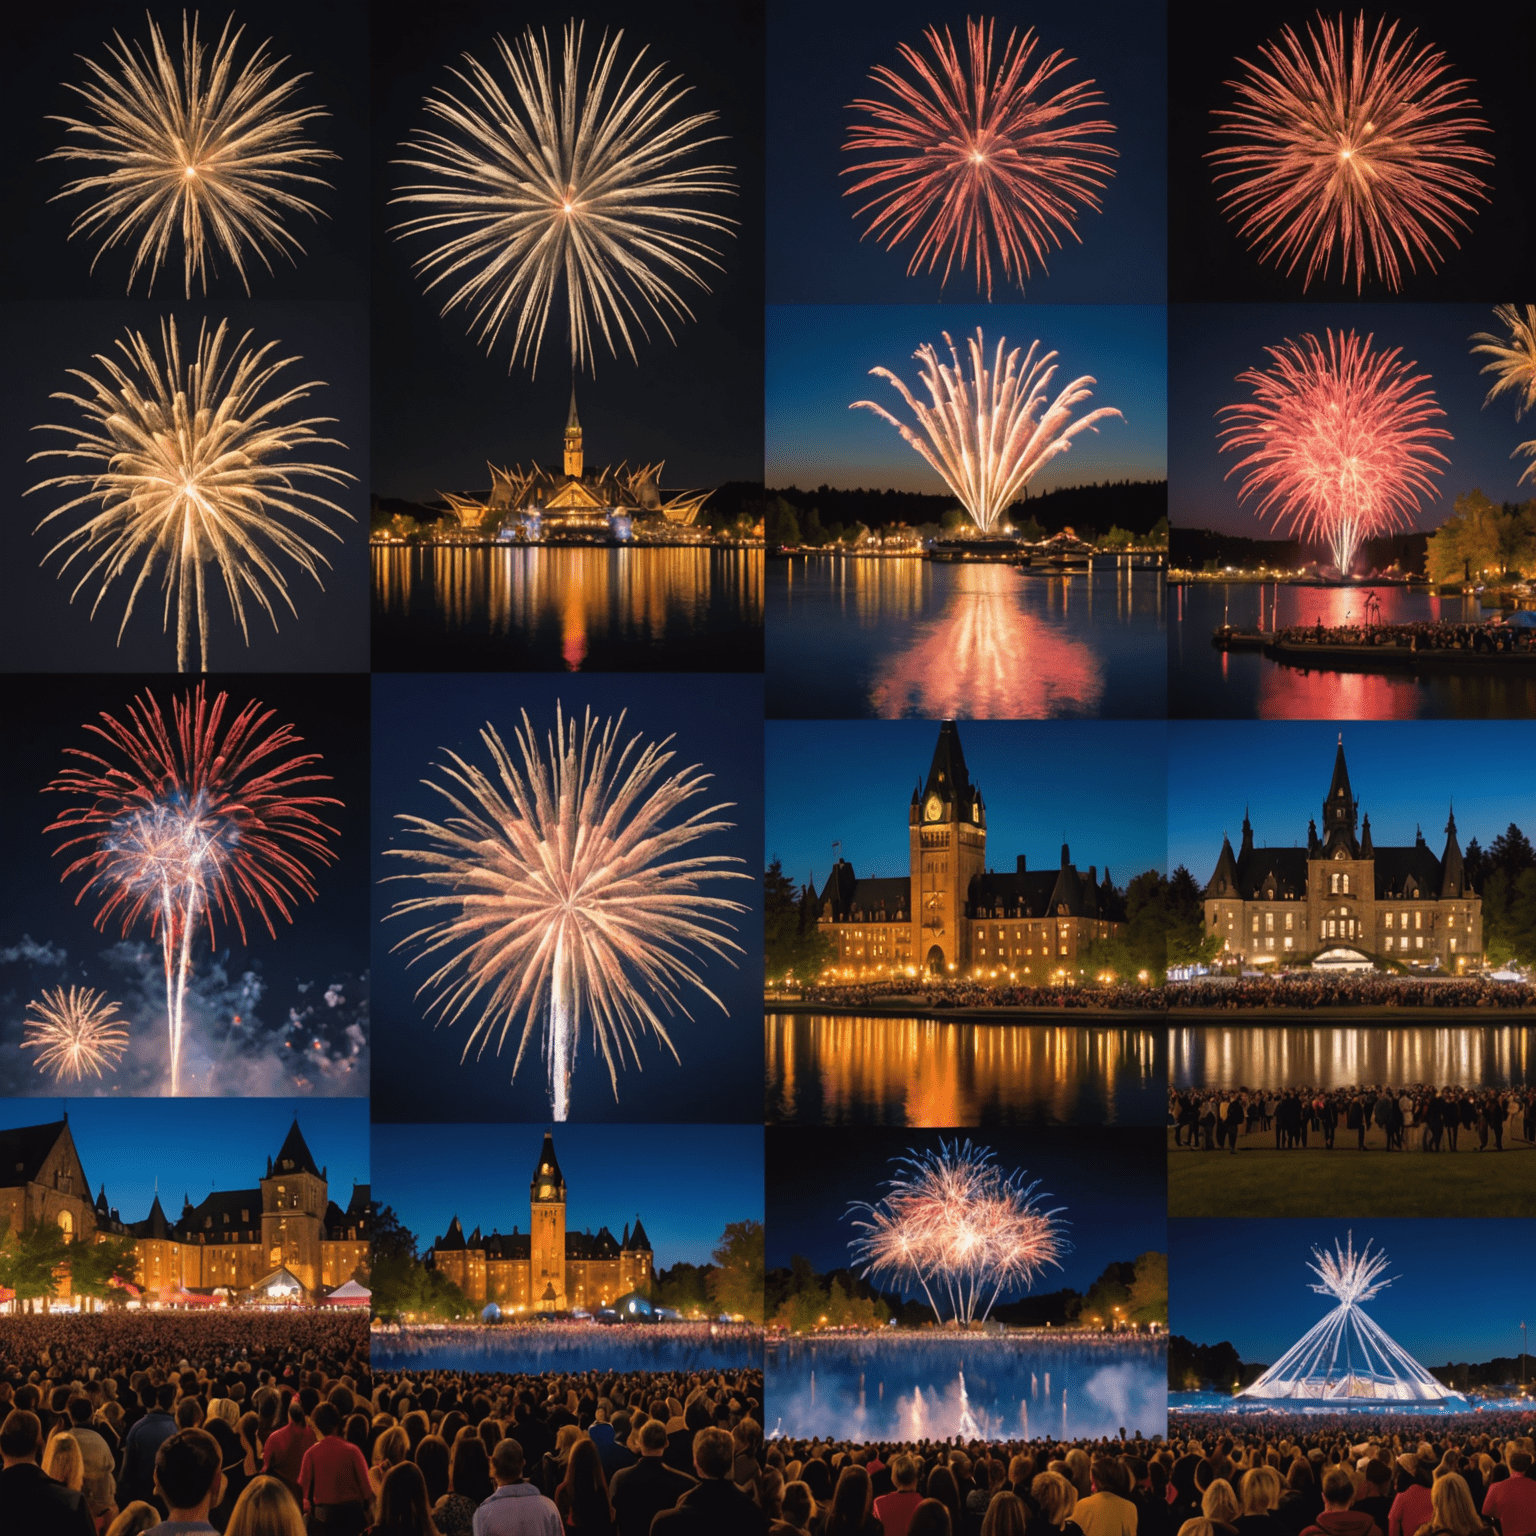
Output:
x=516 y=1508
x=135 y=1520
x=852 y=1500
x=265 y=1508
x=797 y=1509
x=930 y=1518
x=716 y=1504
x=1056 y=1499
x=1108 y=1510
x=1006 y=1516
x=1513 y=1502
x=1455 y=1513
x=1337 y=1518
x=31 y=1502
x=642 y=1491
x=894 y=1510
x=1412 y=1506
x=403 y=1504
x=187 y=1477
x=582 y=1497
x=145 y=1439
x=333 y=1479
x=284 y=1452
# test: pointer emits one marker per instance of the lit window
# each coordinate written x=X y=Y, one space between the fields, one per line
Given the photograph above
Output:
x=1346 y=885
x=1389 y=924
x=1269 y=924
x=1418 y=921
x=1269 y=943
x=1418 y=943
x=1389 y=941
x=1290 y=918
x=1287 y=942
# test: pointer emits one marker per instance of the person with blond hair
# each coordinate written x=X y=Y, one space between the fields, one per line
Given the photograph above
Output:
x=1259 y=1491
x=63 y=1462
x=265 y=1508
x=135 y=1520
x=1454 y=1512
x=1056 y=1499
x=1219 y=1504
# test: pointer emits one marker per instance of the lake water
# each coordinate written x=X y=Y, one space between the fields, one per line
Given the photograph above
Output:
x=933 y=1386
x=1205 y=683
x=596 y=1348
x=899 y=638
x=554 y=609
x=1487 y=1057
x=842 y=1069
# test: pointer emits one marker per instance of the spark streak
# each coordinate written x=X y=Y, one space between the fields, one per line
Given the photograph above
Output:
x=1514 y=368
x=74 y=1032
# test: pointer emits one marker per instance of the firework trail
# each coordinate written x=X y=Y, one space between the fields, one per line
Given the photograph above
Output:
x=74 y=1032
x=957 y=1224
x=1350 y=148
x=988 y=434
x=1513 y=367
x=551 y=180
x=561 y=894
x=189 y=822
x=1341 y=446
x=970 y=155
x=208 y=153
x=190 y=469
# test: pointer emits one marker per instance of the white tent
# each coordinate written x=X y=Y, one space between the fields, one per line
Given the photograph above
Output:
x=349 y=1295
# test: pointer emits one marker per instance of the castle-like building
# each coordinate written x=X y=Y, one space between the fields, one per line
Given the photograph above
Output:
x=286 y=1229
x=952 y=914
x=1342 y=901
x=576 y=502
x=546 y=1268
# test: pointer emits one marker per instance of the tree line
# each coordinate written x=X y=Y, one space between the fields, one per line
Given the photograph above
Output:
x=36 y=1261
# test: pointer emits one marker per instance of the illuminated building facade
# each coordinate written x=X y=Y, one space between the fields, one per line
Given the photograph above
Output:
x=951 y=914
x=547 y=1268
x=1342 y=901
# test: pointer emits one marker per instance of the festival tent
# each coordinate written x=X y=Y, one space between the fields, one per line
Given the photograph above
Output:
x=281 y=1285
x=1522 y=618
x=349 y=1295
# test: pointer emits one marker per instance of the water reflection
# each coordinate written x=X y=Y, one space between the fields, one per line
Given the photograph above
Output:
x=1343 y=1058
x=841 y=1069
x=564 y=608
x=593 y=1348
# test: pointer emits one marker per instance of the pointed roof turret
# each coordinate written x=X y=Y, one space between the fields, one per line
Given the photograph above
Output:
x=154 y=1225
x=950 y=781
x=1339 y=809
x=638 y=1241
x=1367 y=847
x=1247 y=847
x=547 y=1183
x=572 y=423
x=453 y=1240
x=1453 y=877
x=294 y=1154
x=1224 y=877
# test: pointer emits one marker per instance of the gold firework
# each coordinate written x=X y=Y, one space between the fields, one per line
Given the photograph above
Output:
x=1513 y=367
x=208 y=153
x=74 y=1032
x=190 y=469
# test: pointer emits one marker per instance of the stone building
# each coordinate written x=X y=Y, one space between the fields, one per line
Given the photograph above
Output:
x=547 y=1268
x=951 y=914
x=1343 y=902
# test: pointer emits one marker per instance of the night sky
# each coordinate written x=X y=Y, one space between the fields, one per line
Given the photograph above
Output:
x=1490 y=49
x=717 y=722
x=852 y=780
x=819 y=60
x=442 y=407
x=48 y=941
x=1402 y=773
x=41 y=630
x=692 y=1180
x=1245 y=1282
x=1210 y=344
x=1108 y=1179
x=819 y=362
x=218 y=1144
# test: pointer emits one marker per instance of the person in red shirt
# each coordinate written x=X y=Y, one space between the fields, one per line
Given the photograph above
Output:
x=333 y=1479
x=894 y=1510
x=284 y=1455
x=1513 y=1502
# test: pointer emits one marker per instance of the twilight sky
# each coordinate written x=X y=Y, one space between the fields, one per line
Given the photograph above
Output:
x=852 y=780
x=126 y=1144
x=1209 y=345
x=684 y=1181
x=1245 y=1281
x=1402 y=773
x=1109 y=1179
x=819 y=361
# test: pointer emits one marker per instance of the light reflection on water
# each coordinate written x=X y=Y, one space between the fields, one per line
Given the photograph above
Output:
x=842 y=1069
x=533 y=1350
x=570 y=609
x=1214 y=1057
x=933 y=1386
x=891 y=638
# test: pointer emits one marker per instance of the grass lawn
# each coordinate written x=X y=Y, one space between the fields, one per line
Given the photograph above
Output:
x=1260 y=1181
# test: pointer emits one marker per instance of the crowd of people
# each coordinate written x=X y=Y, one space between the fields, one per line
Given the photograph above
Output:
x=1418 y=635
x=1349 y=991
x=1375 y=1117
x=964 y=994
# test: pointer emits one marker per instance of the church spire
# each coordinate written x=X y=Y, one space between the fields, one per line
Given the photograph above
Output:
x=1453 y=875
x=573 y=454
x=1339 y=809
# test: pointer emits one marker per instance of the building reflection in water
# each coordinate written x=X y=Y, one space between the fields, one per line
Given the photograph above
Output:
x=986 y=657
x=1341 y=1058
x=839 y=1069
x=572 y=596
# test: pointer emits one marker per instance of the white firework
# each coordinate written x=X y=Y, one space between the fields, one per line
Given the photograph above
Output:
x=548 y=179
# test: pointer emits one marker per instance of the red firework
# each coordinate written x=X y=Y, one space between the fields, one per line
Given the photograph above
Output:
x=969 y=155
x=1352 y=148
x=189 y=819
x=1341 y=446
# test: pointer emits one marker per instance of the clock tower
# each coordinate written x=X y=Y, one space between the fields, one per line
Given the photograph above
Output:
x=948 y=834
x=546 y=1195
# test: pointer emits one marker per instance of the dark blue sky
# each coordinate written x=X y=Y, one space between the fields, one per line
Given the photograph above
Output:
x=819 y=60
x=1210 y=344
x=819 y=362
x=684 y=1181
x=205 y=1144
x=1245 y=1281
x=1108 y=1179
x=852 y=781
x=1402 y=773
x=717 y=723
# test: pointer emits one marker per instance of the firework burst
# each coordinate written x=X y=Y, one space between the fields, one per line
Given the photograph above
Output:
x=193 y=821
x=974 y=157
x=191 y=469
x=1347 y=1276
x=1349 y=147
x=74 y=1032
x=956 y=1224
x=561 y=895
x=1513 y=367
x=210 y=154
x=550 y=180
x=989 y=433
x=1340 y=446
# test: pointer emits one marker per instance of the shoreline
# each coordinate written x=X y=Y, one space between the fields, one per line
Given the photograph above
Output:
x=1129 y=1018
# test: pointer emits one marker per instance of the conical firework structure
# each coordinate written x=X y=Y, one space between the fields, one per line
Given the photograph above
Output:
x=1347 y=1356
